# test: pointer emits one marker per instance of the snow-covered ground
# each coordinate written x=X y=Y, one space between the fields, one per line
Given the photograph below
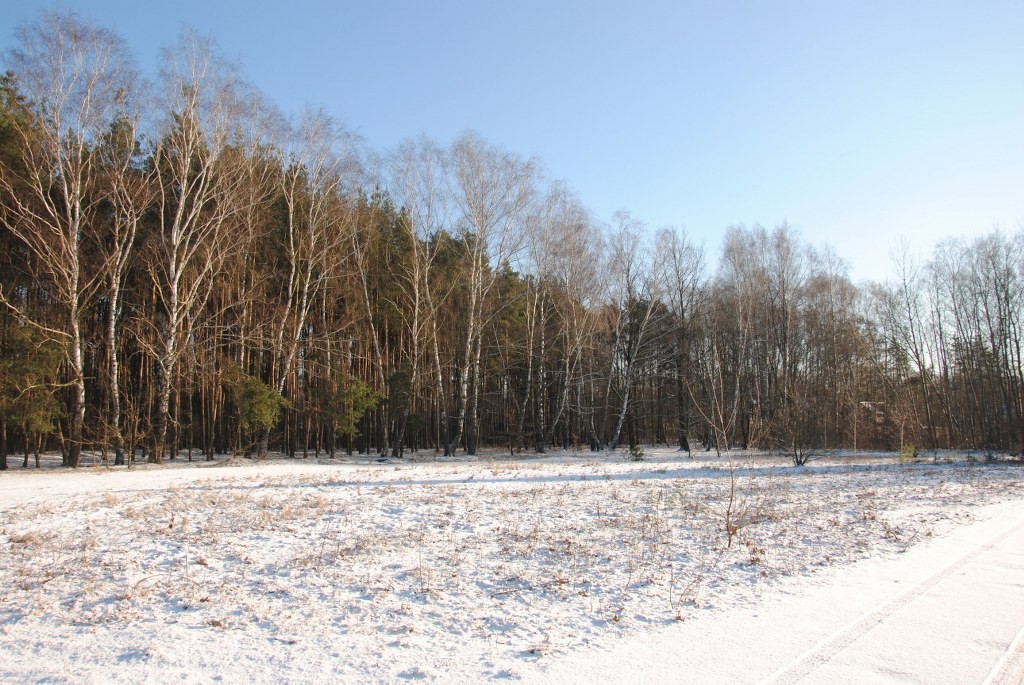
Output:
x=571 y=566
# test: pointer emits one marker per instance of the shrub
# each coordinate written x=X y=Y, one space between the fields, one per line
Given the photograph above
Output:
x=259 y=405
x=352 y=399
x=908 y=453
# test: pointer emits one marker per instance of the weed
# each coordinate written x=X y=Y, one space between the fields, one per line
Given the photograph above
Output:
x=755 y=553
x=21 y=538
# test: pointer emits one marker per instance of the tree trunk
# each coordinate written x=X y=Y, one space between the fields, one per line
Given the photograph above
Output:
x=77 y=410
x=113 y=363
x=3 y=442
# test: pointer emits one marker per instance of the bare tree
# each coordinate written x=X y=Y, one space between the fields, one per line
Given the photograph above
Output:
x=684 y=266
x=414 y=173
x=75 y=78
x=130 y=192
x=727 y=326
x=319 y=163
x=578 y=253
x=363 y=246
x=197 y=175
x=833 y=346
x=636 y=291
x=913 y=319
x=563 y=270
x=489 y=190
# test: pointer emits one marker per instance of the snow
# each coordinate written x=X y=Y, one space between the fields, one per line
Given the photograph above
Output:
x=569 y=568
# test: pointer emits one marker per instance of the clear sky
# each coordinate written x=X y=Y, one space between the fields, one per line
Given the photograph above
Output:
x=855 y=121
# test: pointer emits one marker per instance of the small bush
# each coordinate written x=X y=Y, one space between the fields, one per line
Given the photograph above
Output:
x=636 y=453
x=349 y=403
x=259 y=405
x=908 y=453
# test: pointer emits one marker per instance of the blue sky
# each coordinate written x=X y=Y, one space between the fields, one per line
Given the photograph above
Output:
x=857 y=122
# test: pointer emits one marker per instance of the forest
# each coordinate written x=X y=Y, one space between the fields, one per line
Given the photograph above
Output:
x=187 y=272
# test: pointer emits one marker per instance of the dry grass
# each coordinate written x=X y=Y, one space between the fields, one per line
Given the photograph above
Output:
x=454 y=556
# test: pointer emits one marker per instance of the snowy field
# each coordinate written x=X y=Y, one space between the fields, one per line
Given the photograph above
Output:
x=503 y=569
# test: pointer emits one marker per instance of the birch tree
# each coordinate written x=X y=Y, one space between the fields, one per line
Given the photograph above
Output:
x=566 y=252
x=196 y=196
x=490 y=189
x=130 y=191
x=74 y=77
x=636 y=291
x=414 y=174
x=319 y=163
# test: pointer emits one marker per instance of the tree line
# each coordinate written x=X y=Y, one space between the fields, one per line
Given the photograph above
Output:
x=185 y=270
